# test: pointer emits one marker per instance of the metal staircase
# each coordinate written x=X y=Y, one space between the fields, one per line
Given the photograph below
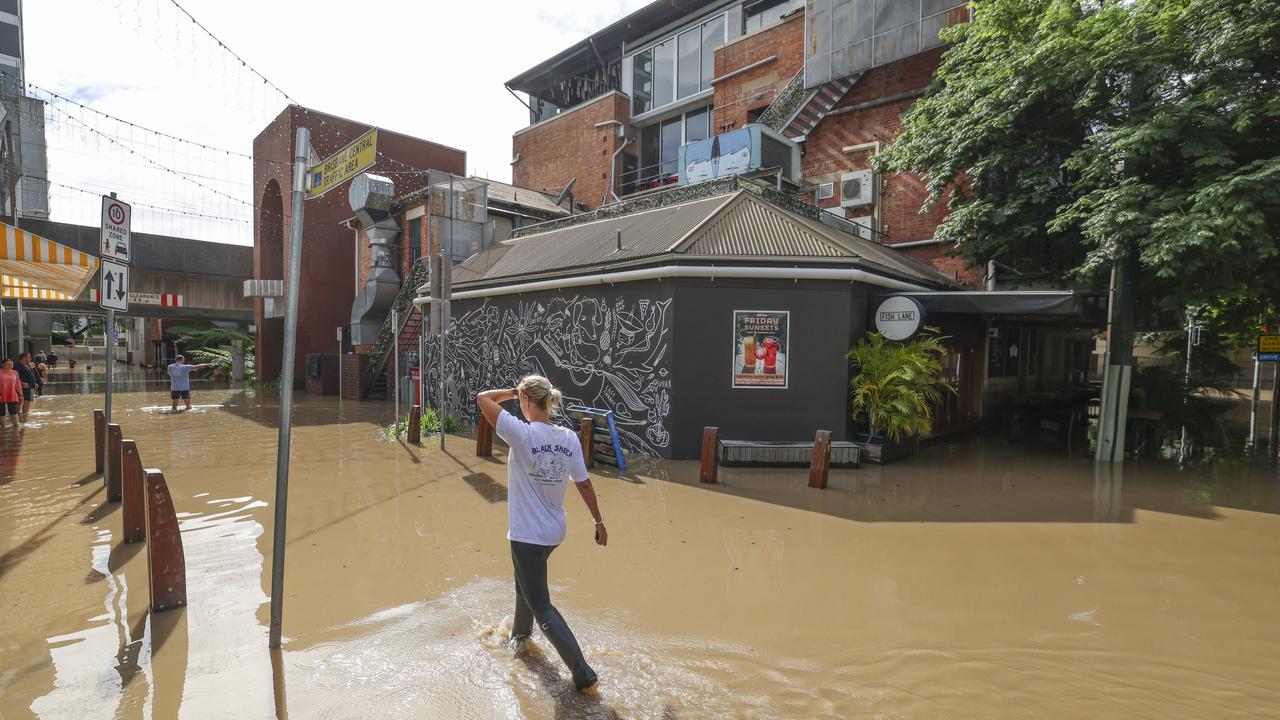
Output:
x=796 y=111
x=410 y=319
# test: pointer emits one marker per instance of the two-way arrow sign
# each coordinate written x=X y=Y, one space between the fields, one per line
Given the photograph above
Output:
x=114 y=280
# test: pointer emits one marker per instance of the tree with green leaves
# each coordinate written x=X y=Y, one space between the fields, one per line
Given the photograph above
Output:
x=1064 y=132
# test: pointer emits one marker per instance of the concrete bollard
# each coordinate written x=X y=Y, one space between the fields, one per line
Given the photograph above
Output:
x=484 y=438
x=820 y=465
x=134 y=510
x=586 y=435
x=415 y=425
x=165 y=559
x=99 y=429
x=710 y=455
x=114 y=438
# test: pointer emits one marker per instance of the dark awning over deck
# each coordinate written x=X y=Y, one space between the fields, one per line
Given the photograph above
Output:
x=1056 y=305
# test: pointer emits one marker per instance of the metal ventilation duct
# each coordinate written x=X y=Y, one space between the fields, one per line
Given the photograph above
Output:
x=370 y=197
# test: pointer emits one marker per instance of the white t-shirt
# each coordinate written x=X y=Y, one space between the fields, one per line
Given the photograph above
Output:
x=543 y=458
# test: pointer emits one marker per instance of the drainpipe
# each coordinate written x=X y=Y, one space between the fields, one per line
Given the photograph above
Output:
x=613 y=161
x=991 y=275
x=874 y=147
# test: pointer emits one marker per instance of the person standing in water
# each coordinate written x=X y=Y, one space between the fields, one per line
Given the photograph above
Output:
x=10 y=393
x=543 y=458
x=180 y=381
x=30 y=383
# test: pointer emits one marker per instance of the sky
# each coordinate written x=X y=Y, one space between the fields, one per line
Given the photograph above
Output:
x=428 y=69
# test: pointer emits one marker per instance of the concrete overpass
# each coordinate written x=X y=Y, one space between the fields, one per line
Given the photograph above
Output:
x=209 y=277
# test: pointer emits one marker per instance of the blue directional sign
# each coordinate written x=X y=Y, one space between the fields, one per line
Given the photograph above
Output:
x=1269 y=357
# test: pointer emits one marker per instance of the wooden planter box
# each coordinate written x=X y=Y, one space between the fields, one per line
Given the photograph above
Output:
x=887 y=451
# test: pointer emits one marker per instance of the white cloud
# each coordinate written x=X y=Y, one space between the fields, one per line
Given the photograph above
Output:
x=432 y=70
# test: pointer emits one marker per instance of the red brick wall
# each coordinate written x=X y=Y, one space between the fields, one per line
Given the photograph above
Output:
x=756 y=88
x=570 y=145
x=328 y=263
x=902 y=194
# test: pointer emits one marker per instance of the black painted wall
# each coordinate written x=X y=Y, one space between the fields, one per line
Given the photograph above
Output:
x=825 y=319
x=603 y=346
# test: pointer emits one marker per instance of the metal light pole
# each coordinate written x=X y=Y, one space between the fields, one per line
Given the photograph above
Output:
x=339 y=364
x=444 y=305
x=301 y=144
x=1186 y=379
x=395 y=357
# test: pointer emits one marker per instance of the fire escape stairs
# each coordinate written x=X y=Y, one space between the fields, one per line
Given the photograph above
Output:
x=796 y=112
x=410 y=328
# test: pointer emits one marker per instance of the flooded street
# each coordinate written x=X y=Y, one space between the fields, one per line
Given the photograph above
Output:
x=976 y=580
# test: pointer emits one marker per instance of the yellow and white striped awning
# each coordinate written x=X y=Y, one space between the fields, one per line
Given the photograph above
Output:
x=40 y=269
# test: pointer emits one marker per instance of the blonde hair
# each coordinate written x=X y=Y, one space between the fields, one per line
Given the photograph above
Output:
x=539 y=391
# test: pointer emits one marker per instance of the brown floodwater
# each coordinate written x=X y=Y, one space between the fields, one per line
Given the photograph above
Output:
x=977 y=580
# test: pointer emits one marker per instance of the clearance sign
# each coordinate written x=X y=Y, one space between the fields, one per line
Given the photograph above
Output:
x=343 y=165
x=1269 y=348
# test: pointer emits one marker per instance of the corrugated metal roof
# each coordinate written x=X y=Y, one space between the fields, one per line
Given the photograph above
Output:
x=512 y=195
x=739 y=225
x=752 y=227
x=646 y=233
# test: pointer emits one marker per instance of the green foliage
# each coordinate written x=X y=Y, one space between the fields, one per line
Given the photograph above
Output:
x=895 y=385
x=1063 y=131
x=221 y=359
x=430 y=425
x=1162 y=389
x=198 y=334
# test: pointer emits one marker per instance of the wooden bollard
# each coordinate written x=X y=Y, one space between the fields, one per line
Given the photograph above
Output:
x=114 y=457
x=99 y=429
x=820 y=465
x=586 y=435
x=167 y=563
x=415 y=424
x=710 y=455
x=484 y=438
x=134 y=510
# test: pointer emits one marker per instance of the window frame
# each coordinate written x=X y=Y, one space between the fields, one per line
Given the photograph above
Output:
x=674 y=38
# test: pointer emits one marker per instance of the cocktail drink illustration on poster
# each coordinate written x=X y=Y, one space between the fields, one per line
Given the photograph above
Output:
x=760 y=348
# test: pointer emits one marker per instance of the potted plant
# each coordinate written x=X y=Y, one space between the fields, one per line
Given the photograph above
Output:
x=894 y=389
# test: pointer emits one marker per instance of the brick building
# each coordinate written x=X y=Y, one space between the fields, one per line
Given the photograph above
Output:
x=329 y=256
x=612 y=113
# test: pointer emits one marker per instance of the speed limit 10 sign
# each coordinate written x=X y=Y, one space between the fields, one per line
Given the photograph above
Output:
x=115 y=229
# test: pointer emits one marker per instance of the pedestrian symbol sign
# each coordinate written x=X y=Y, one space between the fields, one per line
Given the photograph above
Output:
x=114 y=286
x=115 y=230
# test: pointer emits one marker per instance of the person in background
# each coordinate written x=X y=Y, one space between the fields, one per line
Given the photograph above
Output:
x=543 y=458
x=180 y=381
x=51 y=359
x=42 y=372
x=10 y=393
x=30 y=382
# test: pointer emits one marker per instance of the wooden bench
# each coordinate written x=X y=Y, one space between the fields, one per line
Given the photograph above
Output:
x=757 y=453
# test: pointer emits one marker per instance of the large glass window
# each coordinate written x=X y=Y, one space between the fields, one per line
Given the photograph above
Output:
x=671 y=141
x=678 y=67
x=664 y=71
x=712 y=38
x=697 y=125
x=688 y=81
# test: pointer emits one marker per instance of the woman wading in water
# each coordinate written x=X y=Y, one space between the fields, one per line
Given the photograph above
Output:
x=543 y=458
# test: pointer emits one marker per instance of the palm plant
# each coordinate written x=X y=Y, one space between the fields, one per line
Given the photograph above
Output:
x=895 y=385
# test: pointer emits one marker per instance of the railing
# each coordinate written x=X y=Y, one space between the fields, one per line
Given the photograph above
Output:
x=147 y=512
x=388 y=336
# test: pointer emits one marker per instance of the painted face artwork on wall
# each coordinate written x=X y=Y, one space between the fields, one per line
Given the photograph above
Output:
x=612 y=353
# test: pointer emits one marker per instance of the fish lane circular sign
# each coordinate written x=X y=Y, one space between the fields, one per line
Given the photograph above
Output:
x=899 y=317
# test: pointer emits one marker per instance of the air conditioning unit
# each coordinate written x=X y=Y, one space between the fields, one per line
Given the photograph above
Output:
x=857 y=188
x=866 y=224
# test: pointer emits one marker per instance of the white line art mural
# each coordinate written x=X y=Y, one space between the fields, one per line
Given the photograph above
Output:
x=607 y=352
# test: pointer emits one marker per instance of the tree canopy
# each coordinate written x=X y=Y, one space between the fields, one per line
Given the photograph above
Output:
x=1060 y=130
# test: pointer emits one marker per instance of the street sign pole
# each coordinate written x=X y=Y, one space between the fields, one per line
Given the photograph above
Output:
x=301 y=143
x=395 y=358
x=113 y=294
x=339 y=365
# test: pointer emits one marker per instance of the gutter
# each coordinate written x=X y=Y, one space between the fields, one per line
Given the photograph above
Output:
x=745 y=68
x=850 y=275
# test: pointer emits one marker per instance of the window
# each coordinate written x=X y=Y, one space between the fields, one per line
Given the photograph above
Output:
x=765 y=13
x=676 y=68
x=660 y=144
x=415 y=240
x=671 y=141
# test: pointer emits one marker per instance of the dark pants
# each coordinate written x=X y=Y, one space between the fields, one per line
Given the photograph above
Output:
x=534 y=601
